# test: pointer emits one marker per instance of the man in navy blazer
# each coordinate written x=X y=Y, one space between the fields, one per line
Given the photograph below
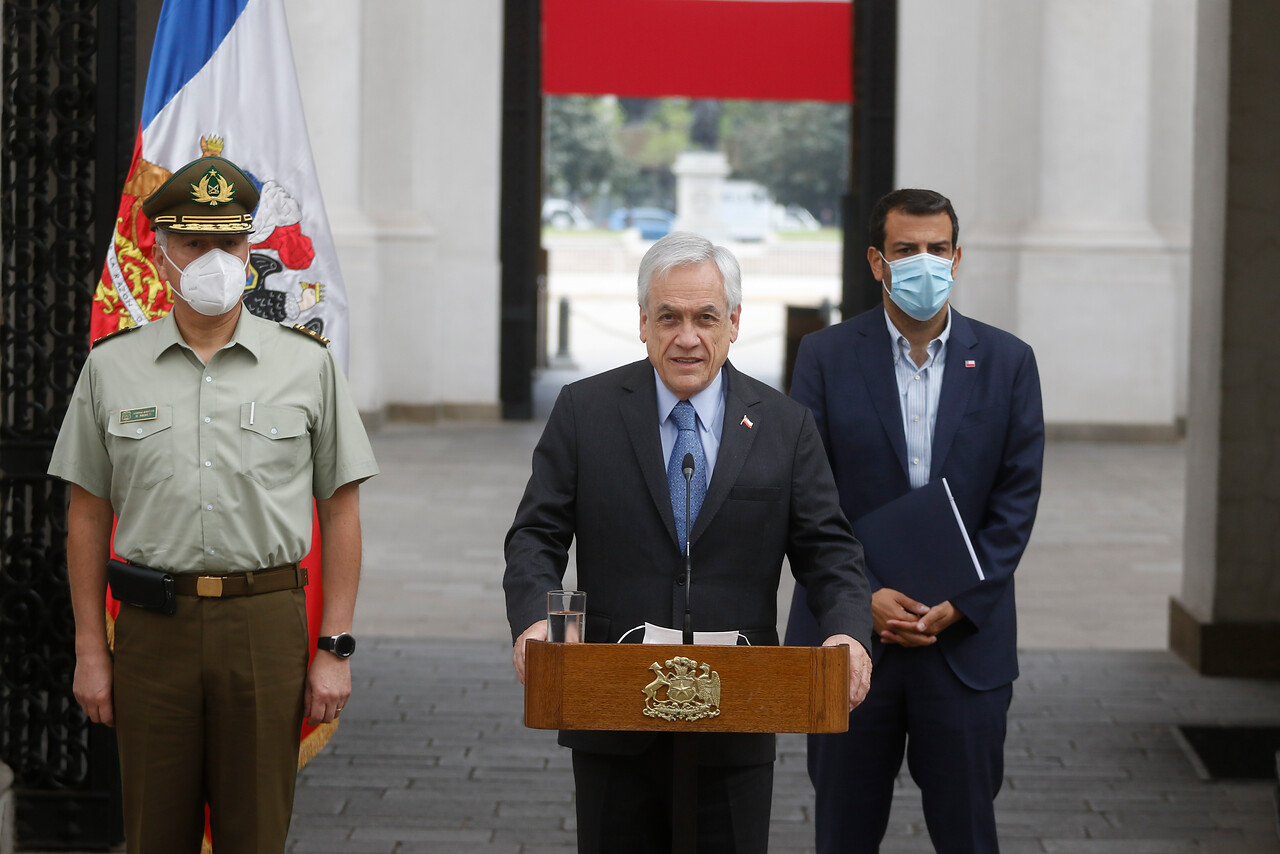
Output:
x=607 y=474
x=902 y=395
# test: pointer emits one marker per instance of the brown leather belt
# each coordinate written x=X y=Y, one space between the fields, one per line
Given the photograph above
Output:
x=289 y=576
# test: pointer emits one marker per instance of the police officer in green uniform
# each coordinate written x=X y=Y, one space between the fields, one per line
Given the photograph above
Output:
x=207 y=435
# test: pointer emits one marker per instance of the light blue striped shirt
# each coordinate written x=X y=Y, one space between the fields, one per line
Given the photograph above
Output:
x=709 y=404
x=918 y=392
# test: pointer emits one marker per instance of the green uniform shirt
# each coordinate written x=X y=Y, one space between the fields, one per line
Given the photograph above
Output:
x=212 y=468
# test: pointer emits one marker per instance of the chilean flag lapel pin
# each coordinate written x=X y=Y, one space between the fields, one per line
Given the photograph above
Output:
x=970 y=363
x=747 y=422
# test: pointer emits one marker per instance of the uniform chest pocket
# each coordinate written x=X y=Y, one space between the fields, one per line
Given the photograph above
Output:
x=274 y=443
x=142 y=445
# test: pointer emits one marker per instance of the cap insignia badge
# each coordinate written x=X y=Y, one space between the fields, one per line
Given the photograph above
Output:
x=213 y=189
x=691 y=691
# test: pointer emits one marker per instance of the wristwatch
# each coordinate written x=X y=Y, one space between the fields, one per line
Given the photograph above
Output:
x=341 y=645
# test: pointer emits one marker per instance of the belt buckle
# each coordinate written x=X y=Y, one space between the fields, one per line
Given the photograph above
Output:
x=209 y=585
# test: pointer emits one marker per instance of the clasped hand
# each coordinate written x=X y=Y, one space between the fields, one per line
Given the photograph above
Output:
x=902 y=620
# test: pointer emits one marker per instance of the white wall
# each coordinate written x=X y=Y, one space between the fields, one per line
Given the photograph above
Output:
x=403 y=103
x=1061 y=130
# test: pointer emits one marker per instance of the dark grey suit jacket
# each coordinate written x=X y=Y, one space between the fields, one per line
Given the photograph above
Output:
x=598 y=475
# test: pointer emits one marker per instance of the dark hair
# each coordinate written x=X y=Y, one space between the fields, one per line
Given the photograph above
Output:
x=913 y=203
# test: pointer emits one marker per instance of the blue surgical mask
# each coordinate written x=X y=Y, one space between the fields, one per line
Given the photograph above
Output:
x=921 y=284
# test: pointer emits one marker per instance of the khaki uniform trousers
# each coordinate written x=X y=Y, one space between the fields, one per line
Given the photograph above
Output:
x=208 y=705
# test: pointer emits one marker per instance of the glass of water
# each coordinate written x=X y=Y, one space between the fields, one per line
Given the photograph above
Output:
x=566 y=616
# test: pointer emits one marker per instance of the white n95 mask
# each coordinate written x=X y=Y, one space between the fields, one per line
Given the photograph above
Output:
x=213 y=283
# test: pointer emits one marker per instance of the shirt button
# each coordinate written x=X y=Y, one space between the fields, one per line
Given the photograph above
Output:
x=915 y=461
x=915 y=417
x=274 y=431
x=208 y=463
x=139 y=431
x=208 y=379
x=213 y=551
x=917 y=376
x=207 y=419
x=208 y=507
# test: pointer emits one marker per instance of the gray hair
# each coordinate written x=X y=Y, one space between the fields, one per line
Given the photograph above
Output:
x=162 y=237
x=682 y=249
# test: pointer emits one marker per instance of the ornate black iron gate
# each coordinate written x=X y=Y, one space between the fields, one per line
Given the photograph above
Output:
x=68 y=116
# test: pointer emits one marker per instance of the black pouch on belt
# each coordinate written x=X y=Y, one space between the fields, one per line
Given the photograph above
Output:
x=141 y=586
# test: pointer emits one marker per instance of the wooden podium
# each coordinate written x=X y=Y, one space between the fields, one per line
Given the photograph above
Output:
x=686 y=690
x=761 y=688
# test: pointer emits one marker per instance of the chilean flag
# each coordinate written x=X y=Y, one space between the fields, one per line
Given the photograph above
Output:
x=222 y=81
x=763 y=50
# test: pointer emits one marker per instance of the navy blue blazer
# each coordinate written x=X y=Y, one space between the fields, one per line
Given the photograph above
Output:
x=988 y=442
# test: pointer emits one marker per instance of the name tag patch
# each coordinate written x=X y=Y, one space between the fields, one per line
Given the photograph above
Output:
x=146 y=413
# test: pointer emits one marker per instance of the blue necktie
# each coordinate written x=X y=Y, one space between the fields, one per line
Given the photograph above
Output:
x=687 y=442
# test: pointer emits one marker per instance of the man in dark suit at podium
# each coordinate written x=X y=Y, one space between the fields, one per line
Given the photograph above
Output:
x=608 y=471
x=904 y=394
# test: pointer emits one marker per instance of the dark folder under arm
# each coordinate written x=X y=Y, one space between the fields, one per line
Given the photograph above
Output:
x=917 y=545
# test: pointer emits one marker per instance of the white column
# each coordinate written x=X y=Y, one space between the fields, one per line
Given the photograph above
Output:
x=457 y=142
x=699 y=189
x=328 y=58
x=1097 y=296
x=968 y=111
x=1061 y=131
x=393 y=91
x=431 y=100
x=1226 y=620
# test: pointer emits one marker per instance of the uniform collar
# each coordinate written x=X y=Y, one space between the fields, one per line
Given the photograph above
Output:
x=248 y=334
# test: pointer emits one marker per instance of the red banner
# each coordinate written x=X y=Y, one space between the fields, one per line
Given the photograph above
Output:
x=762 y=50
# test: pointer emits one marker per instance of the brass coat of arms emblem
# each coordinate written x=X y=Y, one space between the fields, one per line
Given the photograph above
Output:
x=683 y=691
x=213 y=189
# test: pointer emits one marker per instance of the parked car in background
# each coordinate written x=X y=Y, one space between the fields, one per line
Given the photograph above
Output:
x=746 y=210
x=794 y=218
x=652 y=223
x=562 y=213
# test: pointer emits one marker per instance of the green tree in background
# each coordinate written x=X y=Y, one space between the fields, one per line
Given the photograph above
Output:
x=655 y=135
x=799 y=150
x=582 y=157
x=607 y=152
x=656 y=131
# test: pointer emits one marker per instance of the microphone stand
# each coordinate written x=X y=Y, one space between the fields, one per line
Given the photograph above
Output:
x=684 y=765
x=688 y=560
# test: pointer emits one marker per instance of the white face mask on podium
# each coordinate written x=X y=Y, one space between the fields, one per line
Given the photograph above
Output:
x=661 y=634
x=213 y=283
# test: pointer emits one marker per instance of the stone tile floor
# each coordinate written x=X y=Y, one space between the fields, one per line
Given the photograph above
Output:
x=432 y=756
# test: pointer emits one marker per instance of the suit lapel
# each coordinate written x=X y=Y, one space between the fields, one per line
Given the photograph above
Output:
x=957 y=384
x=639 y=410
x=874 y=352
x=736 y=439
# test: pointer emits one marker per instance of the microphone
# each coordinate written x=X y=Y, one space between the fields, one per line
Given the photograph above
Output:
x=687 y=467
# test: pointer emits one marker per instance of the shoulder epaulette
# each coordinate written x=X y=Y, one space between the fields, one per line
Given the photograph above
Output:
x=310 y=333
x=115 y=334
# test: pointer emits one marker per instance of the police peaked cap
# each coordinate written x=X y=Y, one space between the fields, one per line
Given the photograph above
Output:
x=207 y=195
